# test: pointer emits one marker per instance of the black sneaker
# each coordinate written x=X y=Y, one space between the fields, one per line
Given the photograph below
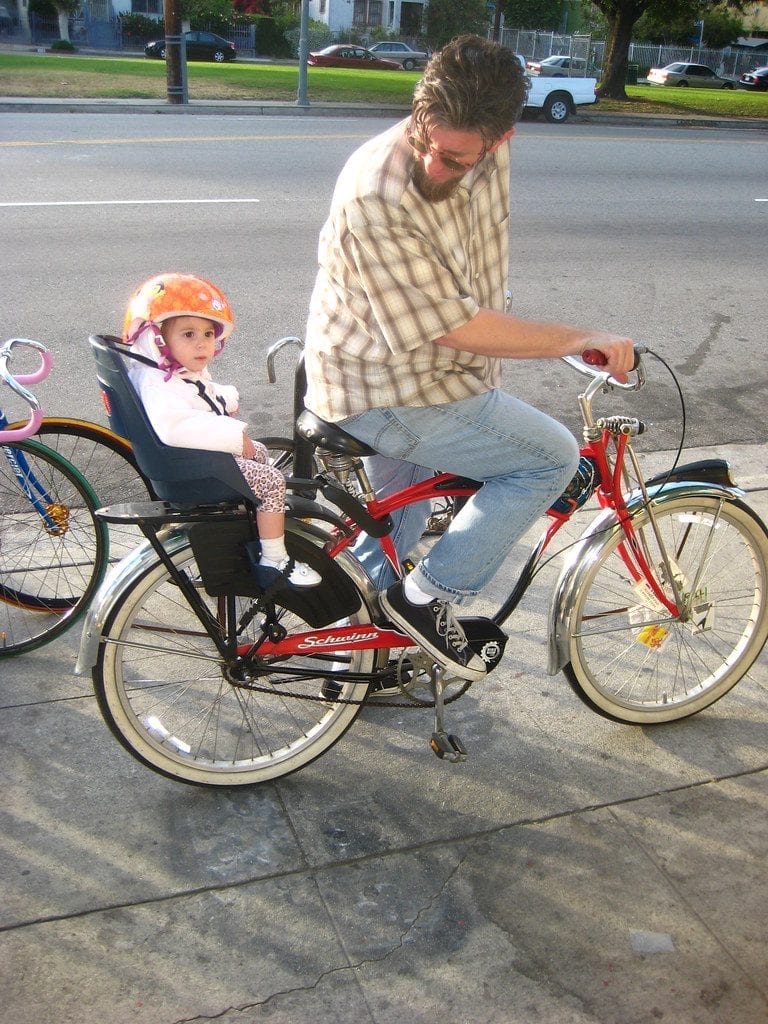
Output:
x=435 y=628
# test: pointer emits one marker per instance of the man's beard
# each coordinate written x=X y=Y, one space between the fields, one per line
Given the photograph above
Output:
x=433 y=191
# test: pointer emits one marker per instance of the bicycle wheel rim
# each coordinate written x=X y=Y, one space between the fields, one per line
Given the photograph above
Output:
x=162 y=689
x=632 y=661
x=53 y=549
x=106 y=461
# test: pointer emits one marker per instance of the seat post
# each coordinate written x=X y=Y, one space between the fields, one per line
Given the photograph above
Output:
x=303 y=450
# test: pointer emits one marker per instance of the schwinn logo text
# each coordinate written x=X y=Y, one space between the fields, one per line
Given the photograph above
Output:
x=332 y=640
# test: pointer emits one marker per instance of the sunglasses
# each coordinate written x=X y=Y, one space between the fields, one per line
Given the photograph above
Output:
x=425 y=149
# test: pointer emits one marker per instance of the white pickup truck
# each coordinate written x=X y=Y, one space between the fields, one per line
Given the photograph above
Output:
x=559 y=97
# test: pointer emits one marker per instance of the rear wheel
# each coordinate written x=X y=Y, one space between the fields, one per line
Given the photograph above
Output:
x=53 y=549
x=629 y=658
x=557 y=107
x=173 y=702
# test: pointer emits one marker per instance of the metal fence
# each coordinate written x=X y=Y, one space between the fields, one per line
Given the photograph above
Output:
x=100 y=32
x=534 y=45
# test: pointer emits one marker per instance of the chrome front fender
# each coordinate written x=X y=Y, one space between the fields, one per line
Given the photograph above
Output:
x=586 y=552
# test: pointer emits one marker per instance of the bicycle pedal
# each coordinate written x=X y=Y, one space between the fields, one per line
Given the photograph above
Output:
x=448 y=748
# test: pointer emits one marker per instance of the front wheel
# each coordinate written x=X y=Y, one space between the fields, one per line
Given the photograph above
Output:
x=106 y=461
x=53 y=549
x=631 y=660
x=180 y=709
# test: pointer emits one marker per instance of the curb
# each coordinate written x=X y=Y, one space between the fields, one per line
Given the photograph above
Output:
x=10 y=104
x=254 y=108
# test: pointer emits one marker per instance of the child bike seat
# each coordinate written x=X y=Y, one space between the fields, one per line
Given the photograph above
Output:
x=183 y=477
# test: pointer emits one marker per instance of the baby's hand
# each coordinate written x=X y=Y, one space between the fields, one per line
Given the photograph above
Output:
x=249 y=449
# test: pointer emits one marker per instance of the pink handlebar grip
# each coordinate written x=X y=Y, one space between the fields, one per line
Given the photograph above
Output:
x=30 y=428
x=46 y=362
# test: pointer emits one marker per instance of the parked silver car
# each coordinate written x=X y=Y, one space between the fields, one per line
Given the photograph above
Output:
x=557 y=66
x=406 y=57
x=695 y=75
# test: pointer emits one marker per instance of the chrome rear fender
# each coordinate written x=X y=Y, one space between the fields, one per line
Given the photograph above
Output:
x=586 y=552
x=175 y=541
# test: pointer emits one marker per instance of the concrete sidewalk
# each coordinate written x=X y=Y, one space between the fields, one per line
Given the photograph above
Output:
x=572 y=871
x=592 y=114
x=258 y=108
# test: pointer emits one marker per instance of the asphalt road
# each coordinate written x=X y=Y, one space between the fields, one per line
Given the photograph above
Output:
x=574 y=870
x=653 y=232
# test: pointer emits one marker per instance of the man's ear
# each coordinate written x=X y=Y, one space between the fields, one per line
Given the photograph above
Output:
x=504 y=138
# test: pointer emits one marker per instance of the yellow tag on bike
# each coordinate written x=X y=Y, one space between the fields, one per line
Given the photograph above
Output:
x=653 y=637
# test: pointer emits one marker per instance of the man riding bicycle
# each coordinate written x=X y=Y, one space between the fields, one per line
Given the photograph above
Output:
x=408 y=326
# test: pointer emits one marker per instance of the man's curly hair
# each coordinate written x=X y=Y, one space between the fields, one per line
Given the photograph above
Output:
x=471 y=85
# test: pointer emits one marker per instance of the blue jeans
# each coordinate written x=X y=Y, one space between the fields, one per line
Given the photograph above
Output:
x=523 y=457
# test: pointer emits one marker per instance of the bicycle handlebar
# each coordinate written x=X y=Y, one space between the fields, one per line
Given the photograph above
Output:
x=592 y=360
x=17 y=381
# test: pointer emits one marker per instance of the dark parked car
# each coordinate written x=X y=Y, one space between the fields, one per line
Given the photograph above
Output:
x=346 y=55
x=755 y=80
x=200 y=46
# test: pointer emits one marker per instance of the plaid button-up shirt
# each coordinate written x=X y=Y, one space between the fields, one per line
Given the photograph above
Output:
x=396 y=273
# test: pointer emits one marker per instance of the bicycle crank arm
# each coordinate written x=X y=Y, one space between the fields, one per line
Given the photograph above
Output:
x=447 y=747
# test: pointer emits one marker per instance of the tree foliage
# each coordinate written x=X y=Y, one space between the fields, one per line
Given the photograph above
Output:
x=721 y=27
x=448 y=18
x=206 y=11
x=545 y=15
x=621 y=17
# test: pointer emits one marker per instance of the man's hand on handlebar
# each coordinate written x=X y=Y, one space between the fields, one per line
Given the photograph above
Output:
x=614 y=353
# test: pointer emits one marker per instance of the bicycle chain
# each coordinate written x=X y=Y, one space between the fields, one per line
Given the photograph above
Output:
x=369 y=699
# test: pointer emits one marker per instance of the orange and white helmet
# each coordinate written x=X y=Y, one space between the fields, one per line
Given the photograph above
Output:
x=167 y=295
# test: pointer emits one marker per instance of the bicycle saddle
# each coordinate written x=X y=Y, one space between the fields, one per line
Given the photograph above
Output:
x=329 y=436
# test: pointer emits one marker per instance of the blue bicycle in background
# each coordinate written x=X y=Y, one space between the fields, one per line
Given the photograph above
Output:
x=54 y=551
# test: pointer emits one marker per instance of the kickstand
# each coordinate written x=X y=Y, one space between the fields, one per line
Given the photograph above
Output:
x=448 y=748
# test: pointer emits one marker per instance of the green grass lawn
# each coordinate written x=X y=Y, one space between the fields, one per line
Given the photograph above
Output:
x=129 y=78
x=707 y=102
x=138 y=78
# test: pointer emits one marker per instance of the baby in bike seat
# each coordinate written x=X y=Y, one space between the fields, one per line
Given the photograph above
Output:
x=179 y=323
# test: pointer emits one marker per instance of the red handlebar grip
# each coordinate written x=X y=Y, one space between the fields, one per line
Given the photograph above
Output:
x=593 y=357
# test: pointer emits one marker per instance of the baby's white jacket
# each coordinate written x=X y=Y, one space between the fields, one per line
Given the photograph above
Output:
x=181 y=417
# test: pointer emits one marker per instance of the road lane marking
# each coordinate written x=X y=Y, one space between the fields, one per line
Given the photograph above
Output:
x=182 y=138
x=128 y=202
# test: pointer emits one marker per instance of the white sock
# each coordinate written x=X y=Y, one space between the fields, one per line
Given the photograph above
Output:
x=273 y=550
x=414 y=593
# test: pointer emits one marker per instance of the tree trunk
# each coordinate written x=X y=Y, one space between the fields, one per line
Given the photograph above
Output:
x=63 y=23
x=620 y=25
